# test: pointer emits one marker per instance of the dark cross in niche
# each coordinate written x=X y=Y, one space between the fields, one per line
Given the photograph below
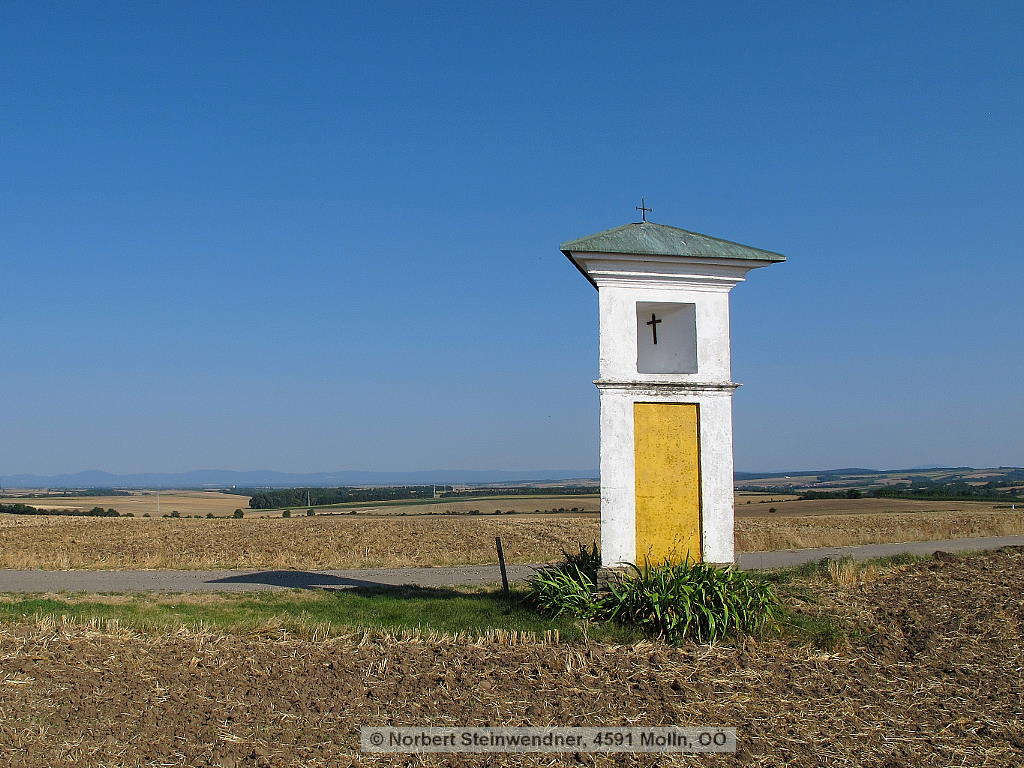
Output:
x=644 y=210
x=653 y=322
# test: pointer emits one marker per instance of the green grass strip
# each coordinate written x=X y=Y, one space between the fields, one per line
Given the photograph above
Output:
x=441 y=610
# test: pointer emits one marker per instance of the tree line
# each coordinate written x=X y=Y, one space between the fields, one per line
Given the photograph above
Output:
x=271 y=498
x=957 y=490
x=296 y=497
x=25 y=509
x=529 y=490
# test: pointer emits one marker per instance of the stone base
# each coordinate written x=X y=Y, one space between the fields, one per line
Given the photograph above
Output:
x=607 y=574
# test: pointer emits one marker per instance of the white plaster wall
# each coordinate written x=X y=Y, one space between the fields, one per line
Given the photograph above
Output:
x=618 y=484
x=618 y=344
x=716 y=469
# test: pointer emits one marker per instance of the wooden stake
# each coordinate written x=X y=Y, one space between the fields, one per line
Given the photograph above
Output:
x=501 y=564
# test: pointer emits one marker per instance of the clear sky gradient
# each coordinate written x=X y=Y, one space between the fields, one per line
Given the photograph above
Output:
x=319 y=236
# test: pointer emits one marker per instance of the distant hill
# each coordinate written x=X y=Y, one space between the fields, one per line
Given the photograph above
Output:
x=805 y=472
x=853 y=471
x=953 y=482
x=217 y=478
x=223 y=478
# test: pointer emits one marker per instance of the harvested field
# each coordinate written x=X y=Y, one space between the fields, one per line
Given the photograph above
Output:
x=931 y=677
x=223 y=504
x=486 y=506
x=797 y=508
x=766 y=533
x=39 y=541
x=305 y=542
x=144 y=502
x=742 y=498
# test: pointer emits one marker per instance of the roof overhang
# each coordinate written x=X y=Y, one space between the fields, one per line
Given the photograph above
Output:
x=658 y=242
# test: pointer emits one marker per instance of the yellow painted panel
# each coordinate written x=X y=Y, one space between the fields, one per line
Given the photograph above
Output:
x=667 y=454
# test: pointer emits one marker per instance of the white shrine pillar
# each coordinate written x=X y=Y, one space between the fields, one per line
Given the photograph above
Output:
x=666 y=389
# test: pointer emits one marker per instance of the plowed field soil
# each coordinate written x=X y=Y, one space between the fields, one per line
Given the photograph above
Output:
x=933 y=677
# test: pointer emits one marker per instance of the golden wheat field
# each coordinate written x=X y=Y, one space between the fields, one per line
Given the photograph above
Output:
x=39 y=541
x=760 y=534
x=325 y=542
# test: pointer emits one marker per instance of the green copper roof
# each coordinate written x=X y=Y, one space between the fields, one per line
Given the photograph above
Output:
x=648 y=238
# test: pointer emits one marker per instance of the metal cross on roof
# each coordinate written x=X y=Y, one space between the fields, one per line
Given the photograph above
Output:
x=644 y=210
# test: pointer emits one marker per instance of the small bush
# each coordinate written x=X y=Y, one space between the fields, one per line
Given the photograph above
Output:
x=145 y=514
x=673 y=601
x=175 y=513
x=286 y=513
x=310 y=513
x=101 y=512
x=238 y=514
x=209 y=515
x=568 y=587
x=702 y=602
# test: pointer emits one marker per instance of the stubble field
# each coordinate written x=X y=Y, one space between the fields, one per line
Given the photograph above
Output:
x=812 y=507
x=928 y=673
x=263 y=542
x=349 y=541
x=139 y=503
x=202 y=503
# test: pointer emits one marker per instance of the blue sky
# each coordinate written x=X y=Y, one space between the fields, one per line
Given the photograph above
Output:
x=319 y=236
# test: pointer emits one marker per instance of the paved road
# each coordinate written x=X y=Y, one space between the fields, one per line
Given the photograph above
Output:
x=247 y=581
x=785 y=558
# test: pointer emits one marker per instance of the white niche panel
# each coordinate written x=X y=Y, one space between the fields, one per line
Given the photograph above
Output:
x=666 y=337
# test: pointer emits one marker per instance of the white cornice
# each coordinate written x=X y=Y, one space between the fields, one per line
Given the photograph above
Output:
x=640 y=271
x=660 y=388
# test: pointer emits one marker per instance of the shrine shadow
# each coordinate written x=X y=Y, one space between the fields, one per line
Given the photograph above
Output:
x=363 y=587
